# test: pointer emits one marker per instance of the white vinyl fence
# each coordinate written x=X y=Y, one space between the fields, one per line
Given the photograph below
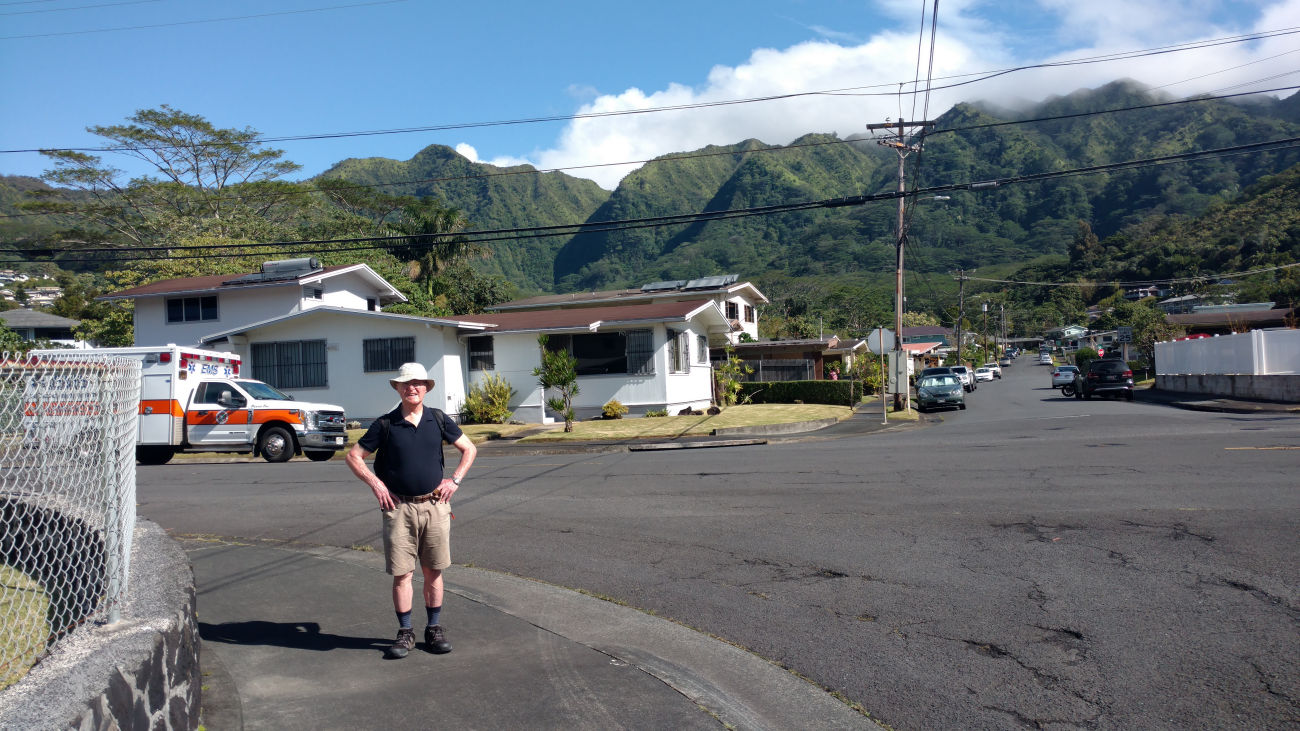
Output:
x=1255 y=353
x=67 y=497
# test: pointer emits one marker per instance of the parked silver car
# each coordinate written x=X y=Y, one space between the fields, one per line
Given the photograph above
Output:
x=1063 y=374
x=966 y=375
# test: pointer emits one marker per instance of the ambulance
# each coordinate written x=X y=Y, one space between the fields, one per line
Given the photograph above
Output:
x=194 y=400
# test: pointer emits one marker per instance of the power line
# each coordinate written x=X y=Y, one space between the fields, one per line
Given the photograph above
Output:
x=79 y=7
x=510 y=234
x=846 y=91
x=693 y=155
x=199 y=22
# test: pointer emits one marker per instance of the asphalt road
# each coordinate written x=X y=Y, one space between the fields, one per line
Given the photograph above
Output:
x=1033 y=561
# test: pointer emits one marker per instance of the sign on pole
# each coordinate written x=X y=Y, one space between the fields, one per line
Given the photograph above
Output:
x=880 y=341
x=1124 y=334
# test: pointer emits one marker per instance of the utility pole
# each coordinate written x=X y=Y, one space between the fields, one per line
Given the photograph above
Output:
x=985 y=336
x=900 y=145
x=961 y=308
x=1004 y=328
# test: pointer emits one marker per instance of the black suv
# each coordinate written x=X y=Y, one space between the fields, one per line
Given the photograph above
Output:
x=1105 y=375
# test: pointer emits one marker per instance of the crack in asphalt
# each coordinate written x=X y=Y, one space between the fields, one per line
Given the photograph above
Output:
x=1255 y=591
x=1267 y=682
x=1178 y=531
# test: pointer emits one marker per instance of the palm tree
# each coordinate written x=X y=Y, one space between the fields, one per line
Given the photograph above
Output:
x=434 y=240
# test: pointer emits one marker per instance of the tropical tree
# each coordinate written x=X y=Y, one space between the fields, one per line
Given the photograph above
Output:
x=206 y=181
x=559 y=371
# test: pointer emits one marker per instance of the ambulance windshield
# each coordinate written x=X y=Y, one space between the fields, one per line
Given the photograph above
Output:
x=260 y=390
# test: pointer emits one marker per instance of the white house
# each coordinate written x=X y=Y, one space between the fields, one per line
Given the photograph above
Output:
x=183 y=311
x=646 y=356
x=738 y=301
x=319 y=334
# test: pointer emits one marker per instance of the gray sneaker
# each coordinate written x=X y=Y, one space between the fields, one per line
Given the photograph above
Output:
x=402 y=645
x=435 y=640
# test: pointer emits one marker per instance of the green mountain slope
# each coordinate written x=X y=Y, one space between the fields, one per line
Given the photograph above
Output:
x=493 y=198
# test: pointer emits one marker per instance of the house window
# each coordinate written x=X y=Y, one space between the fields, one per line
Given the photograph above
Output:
x=606 y=353
x=702 y=349
x=679 y=351
x=291 y=364
x=371 y=304
x=640 y=352
x=749 y=313
x=387 y=354
x=733 y=311
x=481 y=354
x=192 y=309
x=315 y=293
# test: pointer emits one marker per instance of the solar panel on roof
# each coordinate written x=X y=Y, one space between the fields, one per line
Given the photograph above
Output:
x=662 y=286
x=279 y=271
x=719 y=280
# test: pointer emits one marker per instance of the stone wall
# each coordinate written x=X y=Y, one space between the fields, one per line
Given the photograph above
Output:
x=1284 y=388
x=139 y=673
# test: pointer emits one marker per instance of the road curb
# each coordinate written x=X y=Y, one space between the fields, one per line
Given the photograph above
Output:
x=694 y=445
x=792 y=427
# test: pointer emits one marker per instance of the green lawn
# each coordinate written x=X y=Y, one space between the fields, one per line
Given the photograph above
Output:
x=676 y=426
x=23 y=605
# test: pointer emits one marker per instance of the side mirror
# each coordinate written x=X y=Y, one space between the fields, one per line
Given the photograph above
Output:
x=229 y=400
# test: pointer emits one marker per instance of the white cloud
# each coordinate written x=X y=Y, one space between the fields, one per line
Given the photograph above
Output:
x=968 y=43
x=503 y=161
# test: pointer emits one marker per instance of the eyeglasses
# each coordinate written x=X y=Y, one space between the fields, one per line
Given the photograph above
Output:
x=412 y=384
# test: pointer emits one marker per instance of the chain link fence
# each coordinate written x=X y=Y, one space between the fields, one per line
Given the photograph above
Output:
x=67 y=497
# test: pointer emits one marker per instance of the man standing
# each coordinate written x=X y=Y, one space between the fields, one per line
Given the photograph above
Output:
x=415 y=498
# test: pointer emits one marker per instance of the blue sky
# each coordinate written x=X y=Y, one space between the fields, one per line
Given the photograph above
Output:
x=323 y=66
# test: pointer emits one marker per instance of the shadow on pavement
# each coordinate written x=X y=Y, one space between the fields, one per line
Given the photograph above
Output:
x=295 y=635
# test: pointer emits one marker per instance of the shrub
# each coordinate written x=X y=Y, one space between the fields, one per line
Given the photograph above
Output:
x=1084 y=356
x=488 y=402
x=729 y=375
x=656 y=412
x=837 y=393
x=613 y=409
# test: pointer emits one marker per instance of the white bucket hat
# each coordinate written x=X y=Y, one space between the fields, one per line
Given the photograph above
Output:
x=411 y=372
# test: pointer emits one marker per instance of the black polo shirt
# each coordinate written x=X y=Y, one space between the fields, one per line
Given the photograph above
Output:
x=410 y=463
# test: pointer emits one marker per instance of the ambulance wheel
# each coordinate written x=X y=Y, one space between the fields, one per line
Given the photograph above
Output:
x=319 y=456
x=277 y=445
x=153 y=454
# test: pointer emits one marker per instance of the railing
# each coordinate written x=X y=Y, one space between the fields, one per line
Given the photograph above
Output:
x=67 y=497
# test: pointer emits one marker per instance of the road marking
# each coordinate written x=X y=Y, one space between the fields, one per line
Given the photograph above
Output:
x=1258 y=449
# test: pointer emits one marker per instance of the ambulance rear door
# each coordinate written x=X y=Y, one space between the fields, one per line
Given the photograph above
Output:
x=159 y=409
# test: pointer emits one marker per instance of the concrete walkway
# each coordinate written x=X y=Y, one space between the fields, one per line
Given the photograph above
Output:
x=292 y=639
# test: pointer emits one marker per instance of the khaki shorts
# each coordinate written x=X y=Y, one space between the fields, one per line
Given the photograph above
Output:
x=417 y=534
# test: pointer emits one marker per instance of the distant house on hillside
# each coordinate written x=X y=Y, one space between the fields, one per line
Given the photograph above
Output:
x=929 y=334
x=34 y=325
x=1223 y=319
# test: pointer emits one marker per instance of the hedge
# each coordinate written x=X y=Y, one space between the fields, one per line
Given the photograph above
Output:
x=835 y=393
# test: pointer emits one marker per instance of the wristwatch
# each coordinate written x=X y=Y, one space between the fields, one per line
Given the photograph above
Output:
x=455 y=481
